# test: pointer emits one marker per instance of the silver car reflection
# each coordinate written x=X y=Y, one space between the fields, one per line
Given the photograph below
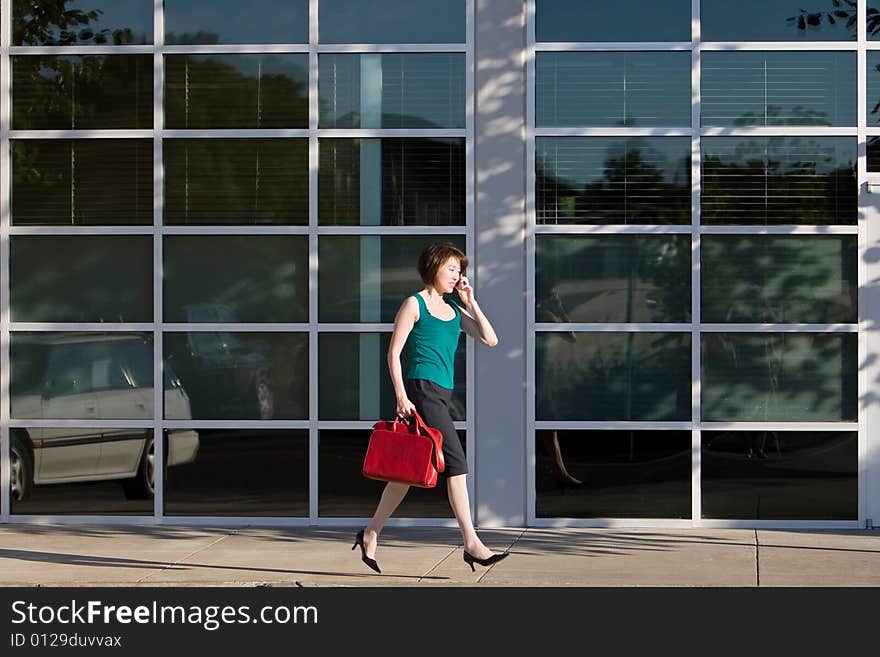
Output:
x=91 y=376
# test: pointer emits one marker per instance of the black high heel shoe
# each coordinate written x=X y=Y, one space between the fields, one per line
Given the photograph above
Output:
x=359 y=540
x=470 y=559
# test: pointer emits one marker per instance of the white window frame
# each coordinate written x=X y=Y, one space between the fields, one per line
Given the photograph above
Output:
x=312 y=231
x=696 y=328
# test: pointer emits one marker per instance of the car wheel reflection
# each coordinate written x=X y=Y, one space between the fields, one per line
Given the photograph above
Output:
x=142 y=485
x=21 y=471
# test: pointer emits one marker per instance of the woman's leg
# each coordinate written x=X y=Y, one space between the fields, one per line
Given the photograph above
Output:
x=392 y=496
x=456 y=487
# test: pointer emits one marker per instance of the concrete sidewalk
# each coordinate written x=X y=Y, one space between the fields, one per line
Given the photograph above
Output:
x=65 y=555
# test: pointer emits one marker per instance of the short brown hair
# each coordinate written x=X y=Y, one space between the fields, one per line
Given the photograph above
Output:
x=434 y=255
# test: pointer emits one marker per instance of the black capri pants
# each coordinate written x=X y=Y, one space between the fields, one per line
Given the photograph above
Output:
x=432 y=403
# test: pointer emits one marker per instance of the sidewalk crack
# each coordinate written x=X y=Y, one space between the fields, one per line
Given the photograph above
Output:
x=757 y=560
x=185 y=557
x=515 y=541
x=437 y=565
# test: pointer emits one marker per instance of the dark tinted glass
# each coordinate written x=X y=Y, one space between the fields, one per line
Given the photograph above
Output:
x=778 y=20
x=619 y=278
x=344 y=492
x=613 y=180
x=82 y=181
x=625 y=20
x=392 y=182
x=236 y=181
x=873 y=18
x=81 y=22
x=74 y=470
x=410 y=90
x=241 y=376
x=873 y=87
x=366 y=278
x=612 y=474
x=233 y=21
x=353 y=377
x=780 y=377
x=874 y=154
x=392 y=21
x=74 y=92
x=237 y=91
x=78 y=278
x=780 y=475
x=262 y=278
x=613 y=376
x=239 y=472
x=810 y=279
x=778 y=88
x=82 y=376
x=613 y=89
x=779 y=180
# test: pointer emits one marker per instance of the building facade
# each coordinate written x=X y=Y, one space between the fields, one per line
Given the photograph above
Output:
x=668 y=206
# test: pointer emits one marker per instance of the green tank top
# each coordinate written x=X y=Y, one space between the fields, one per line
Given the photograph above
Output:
x=433 y=343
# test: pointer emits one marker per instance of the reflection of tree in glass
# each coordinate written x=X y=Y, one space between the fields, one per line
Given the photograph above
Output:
x=192 y=38
x=635 y=188
x=52 y=23
x=844 y=12
x=794 y=180
x=777 y=115
x=780 y=377
x=779 y=279
x=235 y=91
x=82 y=92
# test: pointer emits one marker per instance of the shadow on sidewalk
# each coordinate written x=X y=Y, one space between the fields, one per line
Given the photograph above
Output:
x=119 y=562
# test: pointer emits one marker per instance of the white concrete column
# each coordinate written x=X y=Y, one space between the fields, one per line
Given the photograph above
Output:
x=499 y=255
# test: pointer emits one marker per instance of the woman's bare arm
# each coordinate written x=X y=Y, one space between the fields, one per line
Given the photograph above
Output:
x=406 y=317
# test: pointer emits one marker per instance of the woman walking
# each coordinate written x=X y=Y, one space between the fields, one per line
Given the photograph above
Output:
x=433 y=322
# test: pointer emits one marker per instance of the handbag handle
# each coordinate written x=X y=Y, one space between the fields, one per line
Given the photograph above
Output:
x=436 y=440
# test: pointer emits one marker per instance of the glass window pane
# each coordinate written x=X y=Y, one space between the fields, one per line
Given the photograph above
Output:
x=392 y=21
x=778 y=20
x=613 y=376
x=232 y=21
x=614 y=278
x=613 y=180
x=635 y=89
x=624 y=20
x=82 y=471
x=82 y=376
x=873 y=154
x=82 y=92
x=612 y=474
x=82 y=22
x=410 y=90
x=873 y=18
x=237 y=91
x=392 y=182
x=343 y=492
x=366 y=278
x=810 y=279
x=229 y=375
x=236 y=181
x=778 y=88
x=780 y=377
x=262 y=278
x=780 y=475
x=779 y=180
x=238 y=472
x=78 y=278
x=82 y=182
x=353 y=377
x=873 y=87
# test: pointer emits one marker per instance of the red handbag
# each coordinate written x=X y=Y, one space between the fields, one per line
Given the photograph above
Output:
x=405 y=453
